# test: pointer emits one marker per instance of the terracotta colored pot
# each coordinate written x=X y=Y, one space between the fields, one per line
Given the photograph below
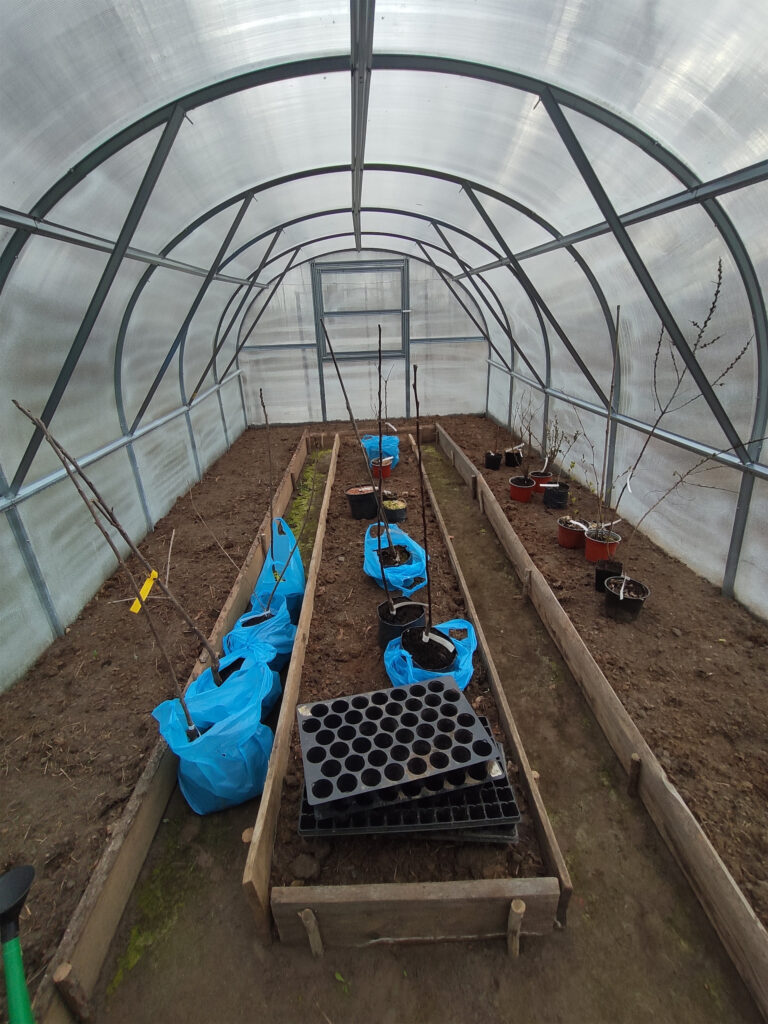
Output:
x=540 y=478
x=569 y=536
x=595 y=549
x=384 y=471
x=519 y=490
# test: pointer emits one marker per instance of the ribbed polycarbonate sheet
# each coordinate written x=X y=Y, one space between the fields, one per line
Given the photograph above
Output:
x=750 y=579
x=685 y=74
x=289 y=317
x=106 y=65
x=434 y=312
x=370 y=288
x=291 y=377
x=166 y=463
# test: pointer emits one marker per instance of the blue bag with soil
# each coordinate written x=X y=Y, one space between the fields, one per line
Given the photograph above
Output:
x=291 y=587
x=402 y=671
x=277 y=632
x=390 y=447
x=227 y=764
x=407 y=577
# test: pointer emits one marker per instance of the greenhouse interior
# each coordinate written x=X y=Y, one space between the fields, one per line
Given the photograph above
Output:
x=384 y=356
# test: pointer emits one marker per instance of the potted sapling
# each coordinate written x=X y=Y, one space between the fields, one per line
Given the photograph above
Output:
x=521 y=487
x=557 y=443
x=493 y=458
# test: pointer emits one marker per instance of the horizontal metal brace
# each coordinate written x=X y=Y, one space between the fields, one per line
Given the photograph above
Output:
x=725 y=458
x=87 y=460
x=61 y=233
x=364 y=312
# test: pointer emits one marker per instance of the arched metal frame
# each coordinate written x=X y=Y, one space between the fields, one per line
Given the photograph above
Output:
x=555 y=100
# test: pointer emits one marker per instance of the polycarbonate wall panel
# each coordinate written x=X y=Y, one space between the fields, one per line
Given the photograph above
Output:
x=243 y=140
x=24 y=628
x=751 y=587
x=451 y=377
x=41 y=309
x=199 y=342
x=523 y=323
x=315 y=227
x=682 y=250
x=355 y=334
x=684 y=78
x=398 y=224
x=289 y=317
x=208 y=427
x=519 y=230
x=467 y=250
x=290 y=383
x=378 y=288
x=498 y=395
x=435 y=313
x=481 y=132
x=166 y=464
x=134 y=59
x=234 y=411
x=74 y=557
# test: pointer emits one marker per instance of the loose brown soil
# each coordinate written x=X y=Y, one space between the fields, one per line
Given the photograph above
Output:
x=76 y=729
x=343 y=658
x=690 y=670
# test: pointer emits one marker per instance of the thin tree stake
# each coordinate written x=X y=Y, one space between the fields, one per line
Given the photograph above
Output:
x=168 y=563
x=390 y=602
x=428 y=630
x=215 y=538
x=269 y=464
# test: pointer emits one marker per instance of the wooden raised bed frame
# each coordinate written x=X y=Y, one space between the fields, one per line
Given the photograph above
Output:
x=86 y=941
x=363 y=915
x=743 y=936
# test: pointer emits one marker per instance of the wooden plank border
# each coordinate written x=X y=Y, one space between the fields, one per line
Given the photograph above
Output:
x=258 y=864
x=553 y=856
x=86 y=941
x=744 y=937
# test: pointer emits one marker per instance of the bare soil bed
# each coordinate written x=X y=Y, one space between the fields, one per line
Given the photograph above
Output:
x=690 y=670
x=76 y=730
x=343 y=658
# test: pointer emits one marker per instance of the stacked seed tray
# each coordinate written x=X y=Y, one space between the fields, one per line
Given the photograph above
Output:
x=412 y=759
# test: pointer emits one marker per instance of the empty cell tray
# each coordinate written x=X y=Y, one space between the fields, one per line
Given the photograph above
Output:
x=373 y=741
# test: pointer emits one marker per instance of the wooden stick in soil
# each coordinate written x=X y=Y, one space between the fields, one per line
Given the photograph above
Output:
x=269 y=467
x=601 y=489
x=390 y=602
x=70 y=467
x=68 y=461
x=428 y=629
x=382 y=517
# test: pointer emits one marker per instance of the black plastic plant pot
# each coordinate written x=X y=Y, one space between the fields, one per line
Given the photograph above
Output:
x=362 y=501
x=395 y=510
x=430 y=649
x=556 y=497
x=604 y=569
x=512 y=457
x=624 y=598
x=492 y=460
x=407 y=614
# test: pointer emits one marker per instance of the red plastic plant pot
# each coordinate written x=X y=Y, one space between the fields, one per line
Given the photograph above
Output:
x=595 y=549
x=539 y=479
x=384 y=471
x=520 y=489
x=569 y=536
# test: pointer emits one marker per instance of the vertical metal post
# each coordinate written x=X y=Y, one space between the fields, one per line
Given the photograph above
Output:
x=405 y=330
x=317 y=305
x=139 y=486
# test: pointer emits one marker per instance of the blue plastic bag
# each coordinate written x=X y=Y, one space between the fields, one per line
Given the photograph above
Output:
x=228 y=763
x=390 y=446
x=291 y=586
x=402 y=671
x=408 y=577
x=278 y=632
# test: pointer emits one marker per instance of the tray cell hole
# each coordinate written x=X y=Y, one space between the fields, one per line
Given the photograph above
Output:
x=409 y=720
x=434 y=783
x=332 y=721
x=399 y=752
x=437 y=759
x=322 y=789
x=380 y=697
x=462 y=755
x=346 y=783
x=394 y=772
x=324 y=737
x=325 y=823
x=417 y=690
x=319 y=710
x=353 y=717
x=311 y=725
x=377 y=758
x=354 y=763
x=433 y=700
x=463 y=736
x=411 y=789
x=457 y=777
x=377 y=819
x=364 y=799
x=316 y=754
x=426 y=732
x=399 y=695
x=331 y=769
x=508 y=810
x=371 y=777
x=392 y=708
x=477 y=772
x=429 y=715
x=453 y=696
x=483 y=748
x=373 y=714
x=367 y=728
x=421 y=747
x=383 y=740
x=357 y=820
x=435 y=686
x=465 y=721
x=361 y=745
x=410 y=817
x=307 y=821
x=494 y=811
x=339 y=749
x=403 y=735
x=417 y=766
x=443 y=814
x=460 y=814
x=347 y=732
x=359 y=702
x=443 y=742
x=427 y=817
x=340 y=707
x=476 y=812
x=388 y=724
x=447 y=725
x=412 y=704
x=449 y=710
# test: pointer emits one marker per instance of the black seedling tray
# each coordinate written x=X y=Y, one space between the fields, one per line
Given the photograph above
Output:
x=488 y=806
x=373 y=741
x=501 y=836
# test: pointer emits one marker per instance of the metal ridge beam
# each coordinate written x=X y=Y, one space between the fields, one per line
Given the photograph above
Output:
x=361 y=17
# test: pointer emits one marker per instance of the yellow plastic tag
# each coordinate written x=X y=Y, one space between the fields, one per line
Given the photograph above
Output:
x=145 y=589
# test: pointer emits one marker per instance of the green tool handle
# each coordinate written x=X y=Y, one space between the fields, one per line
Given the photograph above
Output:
x=19 y=1009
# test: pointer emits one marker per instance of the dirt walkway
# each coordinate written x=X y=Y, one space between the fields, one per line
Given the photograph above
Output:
x=637 y=947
